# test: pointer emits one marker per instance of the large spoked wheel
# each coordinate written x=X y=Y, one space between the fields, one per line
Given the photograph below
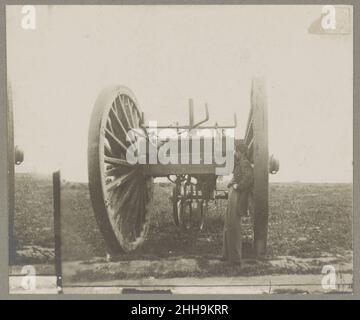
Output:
x=256 y=138
x=121 y=195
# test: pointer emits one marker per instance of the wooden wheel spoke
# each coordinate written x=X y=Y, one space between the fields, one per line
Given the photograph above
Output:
x=116 y=171
x=127 y=194
x=136 y=116
x=131 y=111
x=114 y=111
x=140 y=211
x=135 y=228
x=127 y=204
x=137 y=132
x=117 y=161
x=123 y=107
x=107 y=149
x=120 y=180
x=115 y=139
x=110 y=125
x=135 y=107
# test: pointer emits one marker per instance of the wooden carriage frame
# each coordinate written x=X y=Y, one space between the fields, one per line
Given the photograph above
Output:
x=122 y=193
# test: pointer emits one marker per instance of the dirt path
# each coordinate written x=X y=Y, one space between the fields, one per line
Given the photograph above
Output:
x=101 y=270
x=284 y=274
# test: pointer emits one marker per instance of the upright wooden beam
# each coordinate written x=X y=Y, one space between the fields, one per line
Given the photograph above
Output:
x=57 y=228
x=191 y=113
x=11 y=173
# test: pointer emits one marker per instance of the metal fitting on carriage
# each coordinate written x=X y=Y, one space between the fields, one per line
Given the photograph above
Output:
x=19 y=155
x=274 y=165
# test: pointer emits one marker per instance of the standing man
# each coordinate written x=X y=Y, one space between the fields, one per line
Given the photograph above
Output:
x=240 y=188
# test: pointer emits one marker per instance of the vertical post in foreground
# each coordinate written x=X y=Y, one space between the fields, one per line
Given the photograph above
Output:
x=11 y=173
x=57 y=228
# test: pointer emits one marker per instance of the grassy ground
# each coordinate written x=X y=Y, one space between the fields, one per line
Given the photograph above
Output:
x=33 y=210
x=306 y=220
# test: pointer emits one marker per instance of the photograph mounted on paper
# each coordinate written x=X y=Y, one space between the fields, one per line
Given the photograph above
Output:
x=196 y=149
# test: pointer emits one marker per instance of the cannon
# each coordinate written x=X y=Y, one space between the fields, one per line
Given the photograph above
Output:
x=121 y=190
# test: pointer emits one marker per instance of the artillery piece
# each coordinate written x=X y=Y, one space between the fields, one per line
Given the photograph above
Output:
x=121 y=191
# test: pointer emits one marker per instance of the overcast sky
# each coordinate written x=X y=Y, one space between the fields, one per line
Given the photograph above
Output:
x=168 y=54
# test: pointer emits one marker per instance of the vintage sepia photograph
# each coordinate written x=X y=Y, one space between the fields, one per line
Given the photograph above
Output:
x=180 y=149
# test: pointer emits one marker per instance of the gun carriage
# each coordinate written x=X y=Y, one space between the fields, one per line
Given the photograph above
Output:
x=122 y=192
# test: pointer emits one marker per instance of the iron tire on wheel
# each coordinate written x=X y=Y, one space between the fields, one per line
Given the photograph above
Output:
x=121 y=195
x=256 y=138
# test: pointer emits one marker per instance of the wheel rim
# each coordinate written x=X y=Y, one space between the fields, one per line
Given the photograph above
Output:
x=176 y=204
x=256 y=137
x=120 y=193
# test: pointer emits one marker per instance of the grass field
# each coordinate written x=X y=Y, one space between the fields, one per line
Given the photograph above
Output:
x=306 y=220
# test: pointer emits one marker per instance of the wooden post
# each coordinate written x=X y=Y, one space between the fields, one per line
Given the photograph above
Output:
x=57 y=228
x=11 y=174
x=191 y=113
x=261 y=170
